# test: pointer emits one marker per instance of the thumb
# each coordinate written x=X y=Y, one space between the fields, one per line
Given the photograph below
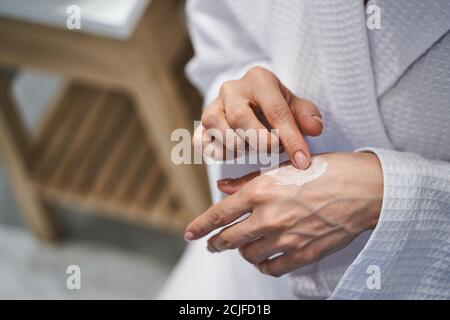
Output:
x=231 y=186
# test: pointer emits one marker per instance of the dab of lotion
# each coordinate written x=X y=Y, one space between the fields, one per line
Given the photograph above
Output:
x=290 y=175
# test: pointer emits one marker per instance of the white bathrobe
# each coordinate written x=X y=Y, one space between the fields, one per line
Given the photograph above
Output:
x=384 y=90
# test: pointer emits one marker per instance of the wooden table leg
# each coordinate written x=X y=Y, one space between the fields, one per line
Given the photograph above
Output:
x=153 y=47
x=14 y=151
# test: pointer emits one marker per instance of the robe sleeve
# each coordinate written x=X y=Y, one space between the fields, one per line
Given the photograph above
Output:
x=409 y=250
x=223 y=50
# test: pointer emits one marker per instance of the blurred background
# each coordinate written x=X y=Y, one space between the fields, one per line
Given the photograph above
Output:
x=90 y=92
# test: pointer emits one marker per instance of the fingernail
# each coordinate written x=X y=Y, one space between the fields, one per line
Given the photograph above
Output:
x=300 y=160
x=225 y=181
x=317 y=118
x=189 y=236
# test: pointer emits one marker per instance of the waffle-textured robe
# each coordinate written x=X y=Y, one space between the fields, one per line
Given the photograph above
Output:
x=384 y=90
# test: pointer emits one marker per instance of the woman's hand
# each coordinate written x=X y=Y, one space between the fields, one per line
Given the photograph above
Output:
x=301 y=224
x=259 y=101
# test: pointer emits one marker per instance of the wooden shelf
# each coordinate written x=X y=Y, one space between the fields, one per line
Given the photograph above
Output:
x=95 y=155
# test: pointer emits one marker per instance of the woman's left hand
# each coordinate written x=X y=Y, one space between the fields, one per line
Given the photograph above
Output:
x=291 y=226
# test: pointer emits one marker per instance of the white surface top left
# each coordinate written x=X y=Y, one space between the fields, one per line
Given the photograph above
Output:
x=109 y=18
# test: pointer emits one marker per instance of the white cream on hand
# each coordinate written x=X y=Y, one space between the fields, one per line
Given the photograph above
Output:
x=290 y=175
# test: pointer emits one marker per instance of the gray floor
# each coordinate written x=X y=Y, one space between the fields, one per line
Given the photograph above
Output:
x=117 y=260
x=30 y=270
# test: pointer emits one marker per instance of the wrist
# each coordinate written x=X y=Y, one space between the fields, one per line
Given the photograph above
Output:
x=374 y=187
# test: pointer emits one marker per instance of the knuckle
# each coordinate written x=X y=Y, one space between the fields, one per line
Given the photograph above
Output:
x=258 y=72
x=226 y=241
x=261 y=182
x=280 y=112
x=270 y=226
x=265 y=222
x=236 y=115
x=258 y=195
x=286 y=243
x=216 y=217
x=209 y=116
x=228 y=87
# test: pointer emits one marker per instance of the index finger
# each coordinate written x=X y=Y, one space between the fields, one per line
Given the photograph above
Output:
x=279 y=115
x=218 y=215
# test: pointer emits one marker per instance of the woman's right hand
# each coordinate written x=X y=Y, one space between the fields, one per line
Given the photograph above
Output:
x=260 y=101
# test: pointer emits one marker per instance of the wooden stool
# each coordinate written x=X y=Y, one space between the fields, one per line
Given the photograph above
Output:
x=104 y=145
